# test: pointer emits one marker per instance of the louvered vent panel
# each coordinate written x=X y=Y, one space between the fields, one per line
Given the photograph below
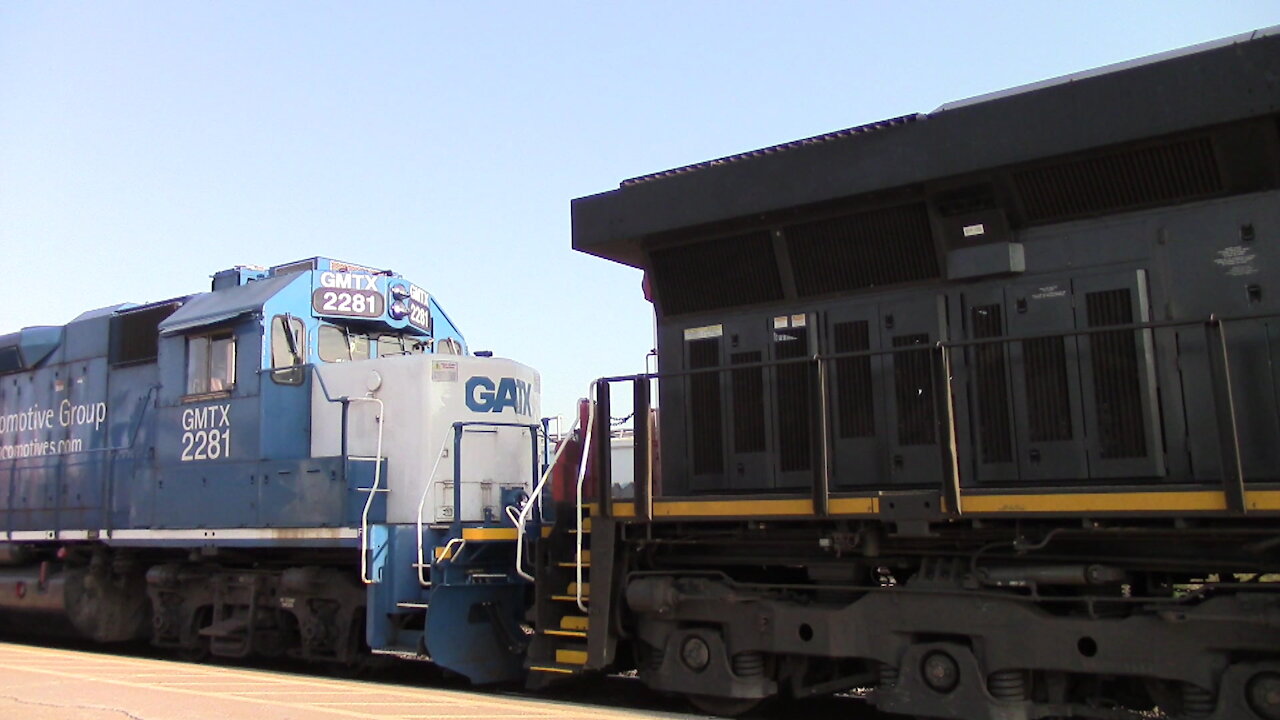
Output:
x=871 y=249
x=854 y=406
x=704 y=407
x=1117 y=393
x=1048 y=396
x=748 y=404
x=1110 y=183
x=793 y=400
x=994 y=429
x=721 y=273
x=913 y=390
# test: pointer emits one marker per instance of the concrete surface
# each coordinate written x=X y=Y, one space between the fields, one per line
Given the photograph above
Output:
x=39 y=683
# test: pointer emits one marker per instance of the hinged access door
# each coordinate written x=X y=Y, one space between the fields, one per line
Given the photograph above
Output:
x=988 y=391
x=912 y=327
x=1046 y=381
x=856 y=404
x=1118 y=368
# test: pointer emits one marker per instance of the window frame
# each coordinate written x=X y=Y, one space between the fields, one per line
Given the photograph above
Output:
x=199 y=378
x=291 y=373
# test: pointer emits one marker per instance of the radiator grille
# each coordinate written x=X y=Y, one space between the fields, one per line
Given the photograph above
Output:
x=855 y=409
x=1109 y=183
x=704 y=407
x=727 y=272
x=1117 y=393
x=748 y=404
x=913 y=389
x=1048 y=393
x=793 y=400
x=869 y=249
x=990 y=387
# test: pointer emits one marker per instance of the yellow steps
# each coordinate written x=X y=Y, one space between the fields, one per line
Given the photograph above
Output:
x=586 y=561
x=573 y=622
x=571 y=657
x=574 y=626
x=553 y=669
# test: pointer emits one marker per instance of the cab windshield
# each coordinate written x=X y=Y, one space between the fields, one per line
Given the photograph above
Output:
x=342 y=344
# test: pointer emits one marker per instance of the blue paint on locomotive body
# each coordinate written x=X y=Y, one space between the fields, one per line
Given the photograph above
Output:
x=188 y=424
x=103 y=444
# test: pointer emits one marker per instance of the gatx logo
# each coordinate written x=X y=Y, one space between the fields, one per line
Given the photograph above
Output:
x=484 y=395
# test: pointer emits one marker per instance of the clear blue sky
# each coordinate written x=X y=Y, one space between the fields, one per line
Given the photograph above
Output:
x=146 y=145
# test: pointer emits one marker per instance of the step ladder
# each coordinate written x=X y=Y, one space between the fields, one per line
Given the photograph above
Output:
x=562 y=645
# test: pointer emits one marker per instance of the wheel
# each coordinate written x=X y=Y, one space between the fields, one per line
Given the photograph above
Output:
x=723 y=706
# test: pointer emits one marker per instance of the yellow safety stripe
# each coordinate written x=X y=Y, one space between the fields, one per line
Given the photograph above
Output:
x=494 y=534
x=1157 y=501
x=1059 y=502
x=721 y=508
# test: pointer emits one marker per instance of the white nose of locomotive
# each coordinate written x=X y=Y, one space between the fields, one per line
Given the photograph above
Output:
x=437 y=420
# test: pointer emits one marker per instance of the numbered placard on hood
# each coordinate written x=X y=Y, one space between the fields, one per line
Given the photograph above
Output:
x=349 y=294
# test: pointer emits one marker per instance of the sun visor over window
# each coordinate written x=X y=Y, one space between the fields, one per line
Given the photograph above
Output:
x=224 y=305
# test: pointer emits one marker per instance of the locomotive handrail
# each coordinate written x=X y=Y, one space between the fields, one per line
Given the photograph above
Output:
x=536 y=497
x=945 y=418
x=422 y=503
x=458 y=431
x=377 y=482
x=582 y=474
x=1212 y=320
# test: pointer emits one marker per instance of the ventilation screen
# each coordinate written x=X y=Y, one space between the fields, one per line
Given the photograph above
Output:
x=727 y=272
x=1117 y=393
x=748 y=404
x=913 y=388
x=855 y=409
x=134 y=334
x=704 y=407
x=962 y=201
x=10 y=360
x=1048 y=397
x=992 y=393
x=1133 y=178
x=793 y=399
x=870 y=249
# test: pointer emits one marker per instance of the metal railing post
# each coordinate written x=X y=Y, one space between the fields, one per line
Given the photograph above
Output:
x=603 y=447
x=643 y=480
x=947 y=440
x=822 y=478
x=1225 y=411
x=456 y=529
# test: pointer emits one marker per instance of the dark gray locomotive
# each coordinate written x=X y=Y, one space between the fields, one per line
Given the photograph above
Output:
x=978 y=409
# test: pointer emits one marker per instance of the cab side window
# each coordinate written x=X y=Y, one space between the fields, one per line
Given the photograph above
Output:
x=211 y=363
x=288 y=349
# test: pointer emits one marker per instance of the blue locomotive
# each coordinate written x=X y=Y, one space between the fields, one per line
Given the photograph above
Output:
x=235 y=472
